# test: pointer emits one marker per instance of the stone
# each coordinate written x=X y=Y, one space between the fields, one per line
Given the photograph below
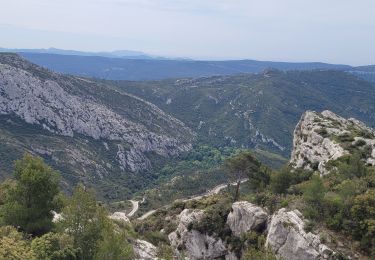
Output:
x=144 y=250
x=121 y=216
x=193 y=243
x=288 y=240
x=246 y=217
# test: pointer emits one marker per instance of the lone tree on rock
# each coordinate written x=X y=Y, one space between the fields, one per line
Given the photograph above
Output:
x=242 y=166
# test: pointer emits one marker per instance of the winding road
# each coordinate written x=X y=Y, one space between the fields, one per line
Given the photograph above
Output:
x=135 y=204
x=213 y=191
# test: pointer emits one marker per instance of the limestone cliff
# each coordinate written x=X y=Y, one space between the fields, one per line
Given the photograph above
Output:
x=122 y=130
x=321 y=137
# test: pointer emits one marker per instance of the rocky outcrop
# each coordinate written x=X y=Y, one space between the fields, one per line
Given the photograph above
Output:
x=144 y=250
x=320 y=137
x=246 y=217
x=195 y=244
x=288 y=240
x=119 y=216
x=72 y=106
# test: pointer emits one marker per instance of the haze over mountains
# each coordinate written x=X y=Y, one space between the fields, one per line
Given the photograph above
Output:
x=133 y=65
x=125 y=54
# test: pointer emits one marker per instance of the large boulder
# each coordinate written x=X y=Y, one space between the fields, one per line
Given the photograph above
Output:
x=144 y=250
x=120 y=216
x=246 y=217
x=288 y=240
x=192 y=242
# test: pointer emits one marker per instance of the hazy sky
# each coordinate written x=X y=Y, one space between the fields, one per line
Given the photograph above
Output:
x=336 y=31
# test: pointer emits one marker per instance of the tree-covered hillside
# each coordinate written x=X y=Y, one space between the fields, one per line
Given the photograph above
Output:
x=257 y=110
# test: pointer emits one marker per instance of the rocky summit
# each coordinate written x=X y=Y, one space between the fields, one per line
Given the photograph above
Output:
x=322 y=137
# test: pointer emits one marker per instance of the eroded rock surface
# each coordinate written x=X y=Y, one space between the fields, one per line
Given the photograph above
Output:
x=246 y=217
x=70 y=106
x=287 y=238
x=320 y=137
x=195 y=244
x=144 y=250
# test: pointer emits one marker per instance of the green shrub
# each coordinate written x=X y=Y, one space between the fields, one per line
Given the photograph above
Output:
x=214 y=220
x=53 y=246
x=33 y=196
x=363 y=213
x=14 y=244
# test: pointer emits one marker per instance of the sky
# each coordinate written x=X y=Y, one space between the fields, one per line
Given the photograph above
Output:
x=334 y=31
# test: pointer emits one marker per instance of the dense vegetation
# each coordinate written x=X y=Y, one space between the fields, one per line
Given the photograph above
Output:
x=338 y=204
x=342 y=201
x=192 y=173
x=27 y=230
x=253 y=110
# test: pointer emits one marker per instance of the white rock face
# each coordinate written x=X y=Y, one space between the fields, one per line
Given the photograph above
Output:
x=288 y=240
x=61 y=106
x=313 y=142
x=246 y=217
x=144 y=250
x=195 y=244
x=120 y=216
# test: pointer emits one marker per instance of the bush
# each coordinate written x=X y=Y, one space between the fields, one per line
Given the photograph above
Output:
x=281 y=180
x=14 y=244
x=214 y=221
x=313 y=192
x=53 y=246
x=113 y=246
x=31 y=199
x=256 y=254
x=85 y=221
x=363 y=213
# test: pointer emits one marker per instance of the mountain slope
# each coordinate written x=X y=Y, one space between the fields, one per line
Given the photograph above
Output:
x=141 y=69
x=93 y=131
x=259 y=110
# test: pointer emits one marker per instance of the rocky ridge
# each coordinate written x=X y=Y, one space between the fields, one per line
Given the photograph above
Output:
x=322 y=137
x=70 y=106
x=286 y=236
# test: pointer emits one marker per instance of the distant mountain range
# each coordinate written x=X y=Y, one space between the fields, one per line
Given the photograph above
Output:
x=133 y=65
x=123 y=54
